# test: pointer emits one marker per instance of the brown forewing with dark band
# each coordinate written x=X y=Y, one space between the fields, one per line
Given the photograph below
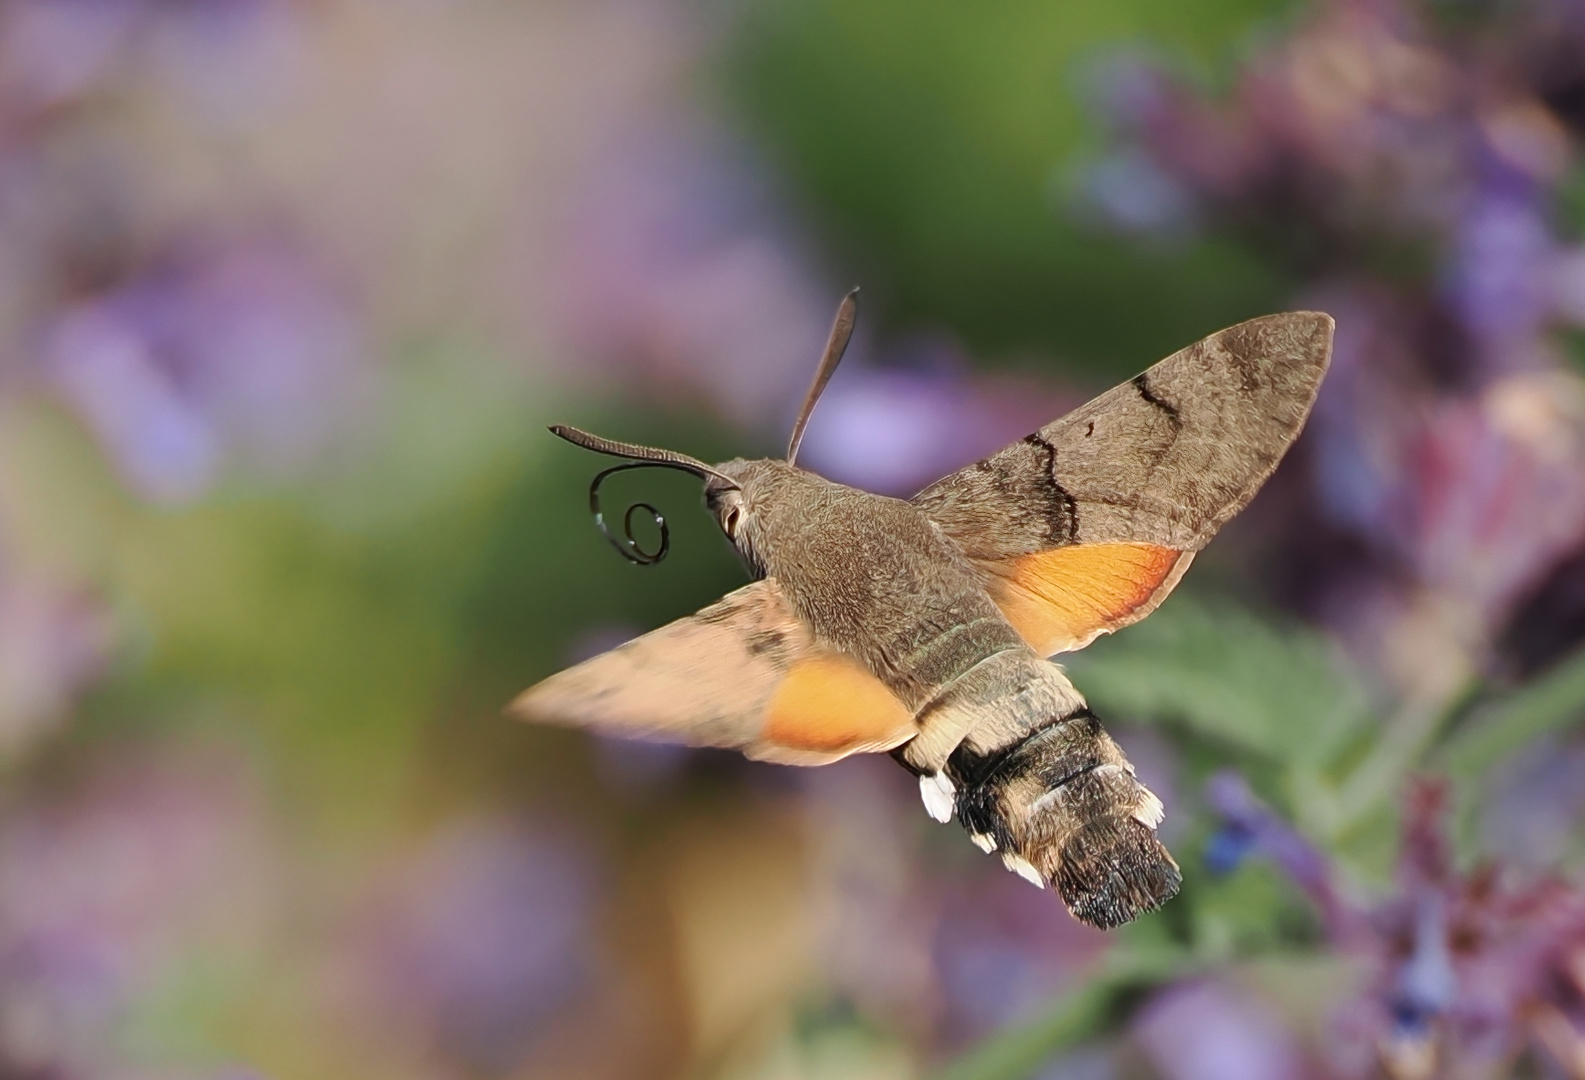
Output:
x=1165 y=458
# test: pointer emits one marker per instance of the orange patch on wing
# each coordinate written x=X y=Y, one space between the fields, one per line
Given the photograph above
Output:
x=830 y=705
x=1062 y=599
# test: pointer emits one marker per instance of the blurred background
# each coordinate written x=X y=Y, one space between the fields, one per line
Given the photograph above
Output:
x=289 y=290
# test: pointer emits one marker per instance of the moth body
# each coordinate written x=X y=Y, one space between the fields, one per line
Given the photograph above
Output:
x=998 y=733
x=871 y=574
x=922 y=627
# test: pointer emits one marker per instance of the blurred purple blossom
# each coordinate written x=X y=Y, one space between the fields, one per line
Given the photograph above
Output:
x=1467 y=970
x=675 y=270
x=478 y=939
x=1249 y=827
x=1503 y=251
x=1137 y=195
x=227 y=55
x=1470 y=500
x=54 y=50
x=1495 y=489
x=879 y=910
x=108 y=887
x=184 y=352
x=229 y=58
x=1373 y=400
x=1212 y=1030
x=1535 y=805
x=896 y=429
x=1004 y=949
x=234 y=351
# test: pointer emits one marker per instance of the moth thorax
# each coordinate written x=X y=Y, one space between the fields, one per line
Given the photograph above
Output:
x=1063 y=806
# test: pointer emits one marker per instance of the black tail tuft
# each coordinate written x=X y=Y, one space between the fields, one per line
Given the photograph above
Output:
x=1113 y=869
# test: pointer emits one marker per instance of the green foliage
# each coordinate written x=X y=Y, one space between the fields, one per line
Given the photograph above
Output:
x=932 y=147
x=366 y=626
x=1571 y=203
x=1283 y=695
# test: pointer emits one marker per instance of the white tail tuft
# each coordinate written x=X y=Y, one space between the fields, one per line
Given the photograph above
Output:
x=1024 y=869
x=1149 y=812
x=939 y=795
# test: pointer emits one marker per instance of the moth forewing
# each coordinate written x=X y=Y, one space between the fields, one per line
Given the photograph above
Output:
x=1135 y=481
x=1165 y=458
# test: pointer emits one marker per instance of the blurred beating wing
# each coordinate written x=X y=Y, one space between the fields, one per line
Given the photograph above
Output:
x=744 y=673
x=1086 y=525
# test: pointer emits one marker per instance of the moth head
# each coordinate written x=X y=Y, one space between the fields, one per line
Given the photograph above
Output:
x=728 y=505
x=743 y=506
x=731 y=490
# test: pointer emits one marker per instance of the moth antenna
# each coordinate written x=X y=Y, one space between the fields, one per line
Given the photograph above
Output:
x=836 y=345
x=651 y=454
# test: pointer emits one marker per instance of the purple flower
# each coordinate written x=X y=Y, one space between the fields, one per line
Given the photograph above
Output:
x=1568 y=284
x=220 y=353
x=230 y=58
x=108 y=887
x=228 y=55
x=674 y=277
x=1135 y=194
x=1473 y=967
x=1004 y=949
x=1248 y=827
x=1498 y=275
x=1534 y=805
x=54 y=50
x=1210 y=1030
x=879 y=905
x=1496 y=490
x=477 y=940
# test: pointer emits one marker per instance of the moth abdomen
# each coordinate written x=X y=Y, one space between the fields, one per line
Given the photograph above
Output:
x=1063 y=805
x=1095 y=839
x=1113 y=869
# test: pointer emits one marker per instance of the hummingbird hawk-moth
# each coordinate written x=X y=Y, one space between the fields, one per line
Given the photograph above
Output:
x=922 y=627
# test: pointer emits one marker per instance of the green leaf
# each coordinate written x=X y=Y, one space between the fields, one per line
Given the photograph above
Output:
x=1284 y=694
x=929 y=139
x=1550 y=703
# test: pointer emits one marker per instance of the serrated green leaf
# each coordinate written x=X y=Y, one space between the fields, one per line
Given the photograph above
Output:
x=1282 y=693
